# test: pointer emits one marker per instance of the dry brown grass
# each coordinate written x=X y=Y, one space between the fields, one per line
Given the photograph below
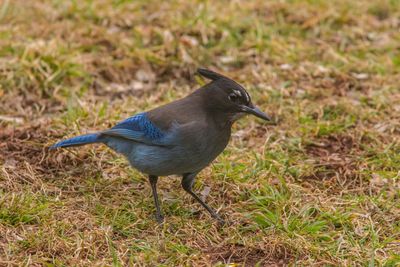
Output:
x=320 y=188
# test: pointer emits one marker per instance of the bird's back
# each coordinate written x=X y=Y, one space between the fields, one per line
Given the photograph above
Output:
x=182 y=111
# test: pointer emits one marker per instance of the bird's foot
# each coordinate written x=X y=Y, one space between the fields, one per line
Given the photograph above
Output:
x=159 y=218
x=221 y=222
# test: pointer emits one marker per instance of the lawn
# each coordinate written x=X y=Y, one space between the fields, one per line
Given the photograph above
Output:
x=322 y=187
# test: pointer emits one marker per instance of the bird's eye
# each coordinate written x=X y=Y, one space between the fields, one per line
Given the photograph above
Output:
x=233 y=97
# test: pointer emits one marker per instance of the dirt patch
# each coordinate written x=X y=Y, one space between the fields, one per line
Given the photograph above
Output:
x=27 y=160
x=341 y=145
x=27 y=104
x=323 y=83
x=29 y=145
x=249 y=256
x=342 y=83
x=335 y=159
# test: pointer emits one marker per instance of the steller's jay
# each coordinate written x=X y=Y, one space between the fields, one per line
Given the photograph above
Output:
x=181 y=137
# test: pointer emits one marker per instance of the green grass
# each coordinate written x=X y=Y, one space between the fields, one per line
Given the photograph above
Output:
x=319 y=188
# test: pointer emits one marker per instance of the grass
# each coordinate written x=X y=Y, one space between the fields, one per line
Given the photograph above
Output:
x=320 y=188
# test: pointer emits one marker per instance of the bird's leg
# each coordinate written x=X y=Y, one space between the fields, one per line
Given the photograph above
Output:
x=187 y=184
x=153 y=182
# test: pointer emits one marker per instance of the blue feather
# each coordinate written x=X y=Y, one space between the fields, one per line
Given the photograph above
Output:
x=77 y=141
x=141 y=124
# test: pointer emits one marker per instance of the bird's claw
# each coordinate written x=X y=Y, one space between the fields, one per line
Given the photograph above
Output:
x=159 y=218
x=221 y=222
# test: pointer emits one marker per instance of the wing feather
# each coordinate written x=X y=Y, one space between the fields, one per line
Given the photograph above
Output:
x=137 y=128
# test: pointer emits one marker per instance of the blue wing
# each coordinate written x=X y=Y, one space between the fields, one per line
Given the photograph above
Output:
x=137 y=128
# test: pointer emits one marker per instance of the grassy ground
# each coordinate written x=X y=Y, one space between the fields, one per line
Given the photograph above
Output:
x=320 y=188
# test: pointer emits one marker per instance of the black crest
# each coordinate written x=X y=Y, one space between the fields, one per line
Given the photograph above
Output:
x=209 y=74
x=234 y=89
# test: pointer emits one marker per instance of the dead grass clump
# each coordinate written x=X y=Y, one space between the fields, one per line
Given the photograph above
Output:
x=342 y=145
x=247 y=256
x=335 y=162
x=27 y=160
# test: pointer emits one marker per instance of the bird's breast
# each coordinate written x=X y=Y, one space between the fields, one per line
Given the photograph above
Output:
x=211 y=145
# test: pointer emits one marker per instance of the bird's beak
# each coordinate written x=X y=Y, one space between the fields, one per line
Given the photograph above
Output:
x=256 y=112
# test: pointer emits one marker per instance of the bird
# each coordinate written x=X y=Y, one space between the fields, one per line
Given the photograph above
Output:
x=179 y=138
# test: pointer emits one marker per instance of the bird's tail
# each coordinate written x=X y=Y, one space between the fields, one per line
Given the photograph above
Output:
x=78 y=141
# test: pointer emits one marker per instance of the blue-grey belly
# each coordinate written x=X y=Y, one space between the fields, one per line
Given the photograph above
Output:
x=162 y=161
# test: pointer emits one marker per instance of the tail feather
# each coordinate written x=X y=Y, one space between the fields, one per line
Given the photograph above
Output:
x=78 y=141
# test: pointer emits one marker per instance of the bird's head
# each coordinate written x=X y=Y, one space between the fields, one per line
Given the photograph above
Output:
x=228 y=96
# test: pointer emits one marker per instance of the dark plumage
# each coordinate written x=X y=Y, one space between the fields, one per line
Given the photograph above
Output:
x=181 y=137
